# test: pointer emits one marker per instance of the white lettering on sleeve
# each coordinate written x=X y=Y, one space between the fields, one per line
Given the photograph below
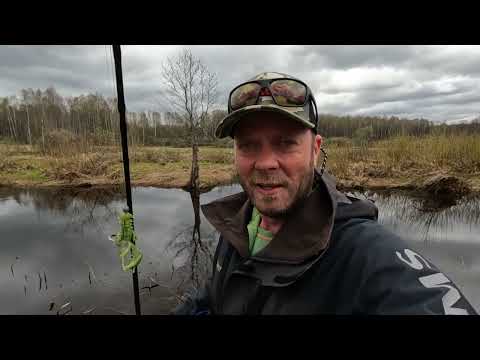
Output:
x=413 y=259
x=439 y=280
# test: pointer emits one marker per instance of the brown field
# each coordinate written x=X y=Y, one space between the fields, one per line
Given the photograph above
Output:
x=399 y=163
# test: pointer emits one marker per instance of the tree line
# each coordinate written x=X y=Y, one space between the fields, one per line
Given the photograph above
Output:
x=379 y=128
x=93 y=119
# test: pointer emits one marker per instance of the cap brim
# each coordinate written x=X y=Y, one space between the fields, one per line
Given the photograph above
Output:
x=225 y=128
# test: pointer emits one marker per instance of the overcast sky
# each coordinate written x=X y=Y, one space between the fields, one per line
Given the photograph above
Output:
x=435 y=82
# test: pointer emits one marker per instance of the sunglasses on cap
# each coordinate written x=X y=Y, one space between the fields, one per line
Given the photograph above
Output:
x=284 y=92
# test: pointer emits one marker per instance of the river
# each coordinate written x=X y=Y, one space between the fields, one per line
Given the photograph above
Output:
x=56 y=258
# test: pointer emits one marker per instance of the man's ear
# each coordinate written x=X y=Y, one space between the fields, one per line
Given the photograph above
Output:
x=317 y=144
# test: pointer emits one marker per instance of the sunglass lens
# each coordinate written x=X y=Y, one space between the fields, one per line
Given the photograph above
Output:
x=288 y=92
x=244 y=95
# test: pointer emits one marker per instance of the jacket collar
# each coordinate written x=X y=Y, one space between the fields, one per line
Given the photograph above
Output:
x=305 y=234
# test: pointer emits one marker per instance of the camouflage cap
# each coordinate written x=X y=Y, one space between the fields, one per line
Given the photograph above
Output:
x=266 y=104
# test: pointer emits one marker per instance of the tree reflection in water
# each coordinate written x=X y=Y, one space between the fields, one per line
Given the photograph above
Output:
x=84 y=207
x=193 y=248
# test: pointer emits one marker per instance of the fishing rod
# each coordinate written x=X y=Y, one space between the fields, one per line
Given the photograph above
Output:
x=117 y=56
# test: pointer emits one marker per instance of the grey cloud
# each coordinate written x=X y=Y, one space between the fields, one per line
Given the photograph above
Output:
x=70 y=69
x=344 y=57
x=438 y=110
x=425 y=93
x=432 y=81
x=437 y=61
x=25 y=56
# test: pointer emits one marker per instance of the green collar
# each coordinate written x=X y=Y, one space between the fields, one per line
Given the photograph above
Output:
x=257 y=236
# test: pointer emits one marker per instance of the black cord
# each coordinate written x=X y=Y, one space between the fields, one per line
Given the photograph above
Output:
x=117 y=55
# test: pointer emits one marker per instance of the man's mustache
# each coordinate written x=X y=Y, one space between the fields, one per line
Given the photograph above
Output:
x=268 y=179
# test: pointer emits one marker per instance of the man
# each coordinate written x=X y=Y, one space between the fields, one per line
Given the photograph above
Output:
x=291 y=243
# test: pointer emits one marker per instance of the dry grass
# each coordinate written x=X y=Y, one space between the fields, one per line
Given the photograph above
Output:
x=159 y=155
x=459 y=153
x=80 y=167
x=383 y=164
x=60 y=143
x=166 y=155
x=216 y=155
x=407 y=156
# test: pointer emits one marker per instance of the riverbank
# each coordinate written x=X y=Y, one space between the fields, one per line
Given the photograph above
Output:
x=432 y=164
x=435 y=164
x=165 y=167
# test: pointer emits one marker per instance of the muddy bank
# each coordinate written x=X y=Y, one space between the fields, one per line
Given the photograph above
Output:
x=433 y=185
x=96 y=184
x=429 y=184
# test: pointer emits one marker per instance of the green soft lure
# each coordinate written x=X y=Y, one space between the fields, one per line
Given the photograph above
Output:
x=125 y=241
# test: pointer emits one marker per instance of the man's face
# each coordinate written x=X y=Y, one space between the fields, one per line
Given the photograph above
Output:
x=274 y=158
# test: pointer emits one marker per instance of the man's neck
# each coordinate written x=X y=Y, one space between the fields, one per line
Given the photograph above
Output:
x=271 y=224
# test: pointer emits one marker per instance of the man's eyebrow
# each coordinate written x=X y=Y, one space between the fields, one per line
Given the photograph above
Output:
x=290 y=135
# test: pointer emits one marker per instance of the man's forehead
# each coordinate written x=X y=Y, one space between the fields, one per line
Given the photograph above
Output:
x=274 y=125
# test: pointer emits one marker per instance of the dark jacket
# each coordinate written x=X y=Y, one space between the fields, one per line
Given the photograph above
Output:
x=330 y=257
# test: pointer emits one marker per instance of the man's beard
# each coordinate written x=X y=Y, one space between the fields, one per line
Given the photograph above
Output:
x=297 y=195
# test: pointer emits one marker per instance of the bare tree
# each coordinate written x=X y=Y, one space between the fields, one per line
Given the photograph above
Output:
x=192 y=90
x=211 y=123
x=11 y=123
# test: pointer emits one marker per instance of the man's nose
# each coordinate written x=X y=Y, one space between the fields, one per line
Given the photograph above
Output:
x=266 y=159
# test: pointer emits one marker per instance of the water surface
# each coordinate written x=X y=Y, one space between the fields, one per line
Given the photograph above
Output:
x=55 y=248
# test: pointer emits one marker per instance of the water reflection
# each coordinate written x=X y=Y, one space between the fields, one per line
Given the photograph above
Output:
x=428 y=218
x=83 y=207
x=55 y=255
x=193 y=247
